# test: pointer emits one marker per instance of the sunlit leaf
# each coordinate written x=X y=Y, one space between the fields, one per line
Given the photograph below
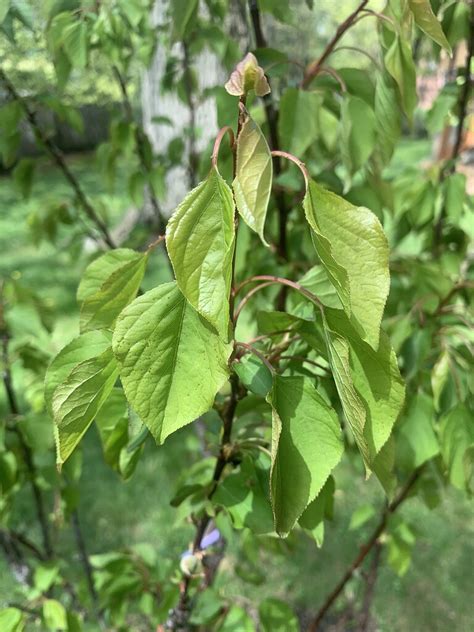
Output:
x=172 y=361
x=428 y=22
x=253 y=180
x=109 y=284
x=200 y=243
x=77 y=400
x=353 y=249
x=399 y=63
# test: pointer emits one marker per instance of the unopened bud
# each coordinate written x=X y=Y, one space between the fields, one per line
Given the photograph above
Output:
x=248 y=75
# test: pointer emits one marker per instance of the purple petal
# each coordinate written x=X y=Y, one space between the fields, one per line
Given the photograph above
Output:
x=210 y=539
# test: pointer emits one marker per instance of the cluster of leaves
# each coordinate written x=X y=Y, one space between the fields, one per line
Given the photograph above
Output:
x=286 y=355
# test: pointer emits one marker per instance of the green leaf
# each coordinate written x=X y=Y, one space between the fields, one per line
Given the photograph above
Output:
x=353 y=249
x=317 y=282
x=44 y=576
x=99 y=270
x=416 y=441
x=400 y=546
x=109 y=284
x=182 y=12
x=399 y=63
x=77 y=400
x=306 y=446
x=253 y=179
x=357 y=131
x=112 y=422
x=245 y=496
x=369 y=383
x=277 y=616
x=74 y=40
x=134 y=10
x=439 y=376
x=172 y=361
x=200 y=242
x=457 y=439
x=312 y=519
x=84 y=347
x=455 y=196
x=280 y=9
x=23 y=175
x=298 y=121
x=428 y=22
x=4 y=8
x=237 y=620
x=352 y=405
x=360 y=516
x=206 y=608
x=254 y=375
x=8 y=471
x=387 y=118
x=54 y=615
x=383 y=466
x=11 y=620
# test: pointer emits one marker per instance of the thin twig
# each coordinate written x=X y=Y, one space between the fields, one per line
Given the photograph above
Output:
x=359 y=50
x=247 y=297
x=57 y=156
x=370 y=588
x=314 y=68
x=25 y=448
x=365 y=550
x=281 y=281
x=217 y=143
x=300 y=164
x=85 y=561
x=257 y=353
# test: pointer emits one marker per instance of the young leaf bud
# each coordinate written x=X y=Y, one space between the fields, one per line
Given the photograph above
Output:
x=248 y=75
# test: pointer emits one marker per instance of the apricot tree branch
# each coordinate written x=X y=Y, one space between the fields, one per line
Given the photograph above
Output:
x=315 y=67
x=57 y=156
x=365 y=550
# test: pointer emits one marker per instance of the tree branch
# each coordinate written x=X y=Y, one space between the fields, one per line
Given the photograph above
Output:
x=314 y=68
x=365 y=550
x=86 y=565
x=25 y=448
x=57 y=156
x=370 y=588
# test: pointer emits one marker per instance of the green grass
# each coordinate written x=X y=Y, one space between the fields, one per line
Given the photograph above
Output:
x=433 y=596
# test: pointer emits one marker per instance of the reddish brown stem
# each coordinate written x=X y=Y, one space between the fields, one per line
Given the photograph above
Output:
x=281 y=281
x=257 y=353
x=217 y=144
x=301 y=166
x=247 y=297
